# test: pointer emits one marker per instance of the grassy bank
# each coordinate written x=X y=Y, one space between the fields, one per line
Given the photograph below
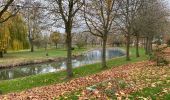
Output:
x=52 y=78
x=161 y=91
x=23 y=56
x=148 y=82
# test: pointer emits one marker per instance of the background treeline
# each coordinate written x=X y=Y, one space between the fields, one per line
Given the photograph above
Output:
x=30 y=23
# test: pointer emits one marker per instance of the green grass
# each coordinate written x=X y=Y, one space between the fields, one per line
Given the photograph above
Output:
x=161 y=91
x=42 y=53
x=102 y=87
x=53 y=78
x=155 y=93
x=20 y=56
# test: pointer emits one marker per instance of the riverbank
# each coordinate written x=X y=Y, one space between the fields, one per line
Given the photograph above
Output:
x=59 y=77
x=137 y=81
x=56 y=65
x=22 y=58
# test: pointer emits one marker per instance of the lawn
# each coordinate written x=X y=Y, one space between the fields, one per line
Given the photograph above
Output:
x=157 y=90
x=39 y=54
x=158 y=85
x=53 y=78
x=160 y=91
x=148 y=82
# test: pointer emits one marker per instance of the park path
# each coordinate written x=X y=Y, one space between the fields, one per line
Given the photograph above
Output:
x=53 y=91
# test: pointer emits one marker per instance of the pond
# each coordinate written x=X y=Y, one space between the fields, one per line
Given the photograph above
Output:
x=90 y=57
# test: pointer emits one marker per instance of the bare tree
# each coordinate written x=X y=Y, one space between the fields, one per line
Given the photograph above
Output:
x=99 y=16
x=65 y=11
x=33 y=14
x=150 y=22
x=5 y=7
x=127 y=13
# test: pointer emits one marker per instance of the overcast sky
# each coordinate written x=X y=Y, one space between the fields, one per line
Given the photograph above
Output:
x=168 y=1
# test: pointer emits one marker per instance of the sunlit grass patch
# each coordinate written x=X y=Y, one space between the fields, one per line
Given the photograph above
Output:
x=160 y=91
x=105 y=89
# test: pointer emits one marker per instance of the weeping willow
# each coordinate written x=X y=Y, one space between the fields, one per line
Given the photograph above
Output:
x=13 y=34
x=4 y=35
x=18 y=34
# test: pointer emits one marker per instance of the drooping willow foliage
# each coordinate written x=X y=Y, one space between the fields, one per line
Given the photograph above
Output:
x=13 y=34
x=18 y=34
x=4 y=35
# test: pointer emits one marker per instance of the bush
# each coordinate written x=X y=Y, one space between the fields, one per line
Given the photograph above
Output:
x=159 y=55
x=80 y=44
x=72 y=48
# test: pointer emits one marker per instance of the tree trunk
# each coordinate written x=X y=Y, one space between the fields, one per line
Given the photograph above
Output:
x=146 y=45
x=32 y=47
x=104 y=66
x=137 y=46
x=1 y=54
x=5 y=51
x=69 y=53
x=31 y=44
x=149 y=46
x=86 y=40
x=5 y=8
x=30 y=39
x=56 y=45
x=46 y=49
x=127 y=47
x=151 y=49
x=101 y=43
x=92 y=44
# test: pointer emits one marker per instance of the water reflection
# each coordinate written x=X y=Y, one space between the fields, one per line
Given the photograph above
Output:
x=88 y=58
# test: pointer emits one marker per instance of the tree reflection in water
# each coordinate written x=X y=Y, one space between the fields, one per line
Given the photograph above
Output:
x=88 y=58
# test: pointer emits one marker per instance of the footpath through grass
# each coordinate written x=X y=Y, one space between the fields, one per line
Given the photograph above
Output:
x=58 y=77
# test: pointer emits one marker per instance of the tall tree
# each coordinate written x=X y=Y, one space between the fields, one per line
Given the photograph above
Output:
x=33 y=13
x=18 y=33
x=4 y=37
x=66 y=10
x=55 y=37
x=13 y=34
x=153 y=20
x=127 y=13
x=99 y=16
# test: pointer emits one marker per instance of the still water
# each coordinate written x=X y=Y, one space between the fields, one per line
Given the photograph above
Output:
x=88 y=58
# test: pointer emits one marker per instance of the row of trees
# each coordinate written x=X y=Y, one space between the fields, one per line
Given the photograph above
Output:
x=132 y=18
x=146 y=19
